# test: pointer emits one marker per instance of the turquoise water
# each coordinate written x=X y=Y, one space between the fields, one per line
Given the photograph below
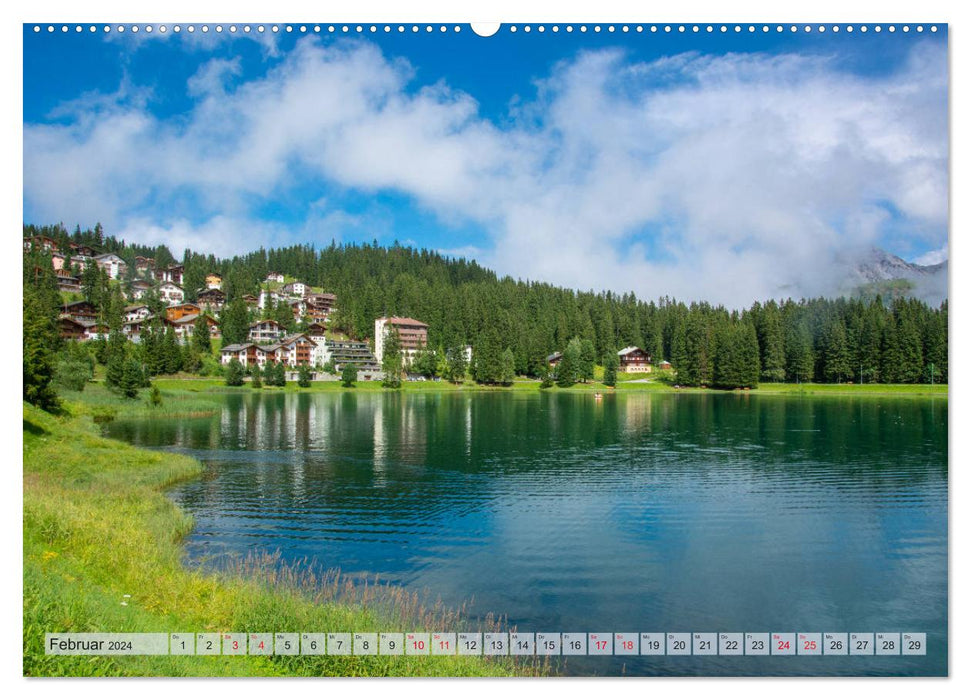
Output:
x=652 y=512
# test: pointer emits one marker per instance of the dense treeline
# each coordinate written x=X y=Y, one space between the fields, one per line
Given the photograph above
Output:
x=823 y=340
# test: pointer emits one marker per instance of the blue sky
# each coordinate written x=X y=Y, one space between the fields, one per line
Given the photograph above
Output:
x=714 y=165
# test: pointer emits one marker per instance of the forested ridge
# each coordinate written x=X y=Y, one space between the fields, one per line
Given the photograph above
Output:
x=899 y=340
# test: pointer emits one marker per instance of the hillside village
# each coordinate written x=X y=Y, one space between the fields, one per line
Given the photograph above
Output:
x=268 y=341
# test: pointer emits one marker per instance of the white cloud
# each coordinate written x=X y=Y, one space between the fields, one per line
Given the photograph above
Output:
x=748 y=172
x=933 y=257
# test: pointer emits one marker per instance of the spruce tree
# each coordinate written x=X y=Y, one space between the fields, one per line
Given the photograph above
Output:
x=201 y=335
x=349 y=375
x=171 y=351
x=234 y=323
x=508 y=370
x=391 y=362
x=39 y=343
x=132 y=378
x=303 y=376
x=257 y=375
x=455 y=364
x=569 y=366
x=611 y=363
x=588 y=358
x=836 y=356
x=772 y=344
x=234 y=373
x=116 y=355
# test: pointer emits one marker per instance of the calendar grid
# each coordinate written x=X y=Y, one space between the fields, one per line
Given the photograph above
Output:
x=496 y=644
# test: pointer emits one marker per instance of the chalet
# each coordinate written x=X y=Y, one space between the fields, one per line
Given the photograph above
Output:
x=554 y=359
x=82 y=262
x=184 y=326
x=144 y=267
x=318 y=333
x=80 y=311
x=251 y=301
x=70 y=328
x=58 y=261
x=67 y=282
x=137 y=312
x=73 y=329
x=172 y=273
x=264 y=331
x=322 y=299
x=177 y=311
x=633 y=359
x=299 y=308
x=268 y=298
x=112 y=264
x=43 y=242
x=275 y=277
x=412 y=334
x=212 y=299
x=139 y=288
x=297 y=349
x=296 y=289
x=244 y=352
x=664 y=364
x=214 y=281
x=134 y=329
x=319 y=307
x=171 y=293
x=82 y=250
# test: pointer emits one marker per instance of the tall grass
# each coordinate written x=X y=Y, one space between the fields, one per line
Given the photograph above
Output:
x=97 y=528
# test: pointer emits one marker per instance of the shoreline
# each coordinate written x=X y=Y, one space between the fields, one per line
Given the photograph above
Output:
x=98 y=527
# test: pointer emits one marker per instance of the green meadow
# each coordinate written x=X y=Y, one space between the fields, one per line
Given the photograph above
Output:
x=98 y=527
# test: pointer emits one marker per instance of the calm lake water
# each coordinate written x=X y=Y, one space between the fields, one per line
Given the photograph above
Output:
x=639 y=513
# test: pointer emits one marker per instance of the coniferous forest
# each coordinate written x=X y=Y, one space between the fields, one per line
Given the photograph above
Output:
x=873 y=340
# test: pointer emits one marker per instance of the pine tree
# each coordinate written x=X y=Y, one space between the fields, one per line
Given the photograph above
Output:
x=201 y=336
x=391 y=362
x=171 y=351
x=39 y=343
x=588 y=358
x=508 y=371
x=116 y=356
x=836 y=356
x=611 y=363
x=455 y=365
x=772 y=345
x=132 y=378
x=696 y=367
x=303 y=376
x=234 y=373
x=257 y=375
x=348 y=375
x=234 y=322
x=569 y=367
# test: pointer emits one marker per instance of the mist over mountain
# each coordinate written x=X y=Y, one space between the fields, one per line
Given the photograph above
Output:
x=876 y=271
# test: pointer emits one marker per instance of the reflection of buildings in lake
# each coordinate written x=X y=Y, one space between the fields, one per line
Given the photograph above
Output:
x=380 y=443
x=399 y=433
x=637 y=414
x=468 y=425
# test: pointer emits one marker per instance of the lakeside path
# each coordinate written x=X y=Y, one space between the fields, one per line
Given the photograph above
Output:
x=98 y=527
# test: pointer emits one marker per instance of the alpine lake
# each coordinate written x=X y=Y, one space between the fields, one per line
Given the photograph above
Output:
x=666 y=512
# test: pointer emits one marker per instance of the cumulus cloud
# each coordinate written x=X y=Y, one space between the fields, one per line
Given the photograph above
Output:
x=728 y=177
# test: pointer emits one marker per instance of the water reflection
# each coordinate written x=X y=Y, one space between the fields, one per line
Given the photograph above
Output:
x=697 y=512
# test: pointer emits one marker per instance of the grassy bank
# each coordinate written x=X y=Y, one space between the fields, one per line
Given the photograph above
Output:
x=632 y=383
x=97 y=527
